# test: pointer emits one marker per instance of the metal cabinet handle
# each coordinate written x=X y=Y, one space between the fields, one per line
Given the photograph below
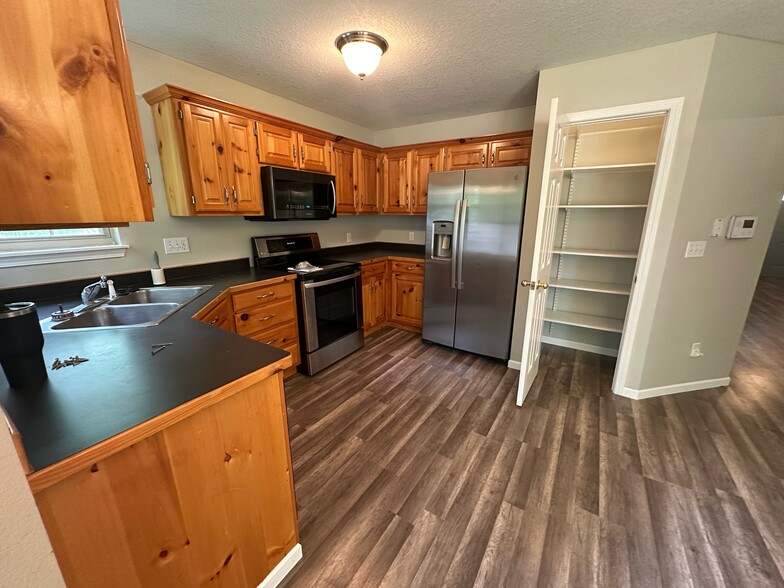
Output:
x=215 y=320
x=483 y=159
x=492 y=159
x=266 y=318
x=302 y=154
x=267 y=295
x=271 y=341
x=294 y=152
x=234 y=194
x=226 y=194
x=410 y=268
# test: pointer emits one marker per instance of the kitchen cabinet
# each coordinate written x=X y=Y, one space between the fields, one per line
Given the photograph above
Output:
x=267 y=312
x=426 y=160
x=223 y=171
x=369 y=183
x=71 y=150
x=218 y=313
x=510 y=152
x=289 y=148
x=374 y=295
x=344 y=163
x=466 y=156
x=397 y=182
x=407 y=293
x=202 y=494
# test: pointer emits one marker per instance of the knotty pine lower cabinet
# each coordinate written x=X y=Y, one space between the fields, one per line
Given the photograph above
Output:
x=208 y=500
x=407 y=293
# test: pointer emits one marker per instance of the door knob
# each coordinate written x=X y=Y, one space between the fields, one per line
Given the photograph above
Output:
x=533 y=284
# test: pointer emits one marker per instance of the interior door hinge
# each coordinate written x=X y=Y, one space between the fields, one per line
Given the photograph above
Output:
x=193 y=200
x=148 y=172
x=180 y=114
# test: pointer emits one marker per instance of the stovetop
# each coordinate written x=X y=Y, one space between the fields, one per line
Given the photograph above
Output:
x=281 y=252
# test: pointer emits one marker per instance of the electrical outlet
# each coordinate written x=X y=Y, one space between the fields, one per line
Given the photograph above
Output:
x=696 y=350
x=348 y=237
x=411 y=235
x=695 y=249
x=176 y=245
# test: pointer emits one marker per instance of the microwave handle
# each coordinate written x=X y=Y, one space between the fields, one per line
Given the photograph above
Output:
x=334 y=196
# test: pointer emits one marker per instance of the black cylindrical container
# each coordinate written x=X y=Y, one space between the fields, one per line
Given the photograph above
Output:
x=21 y=345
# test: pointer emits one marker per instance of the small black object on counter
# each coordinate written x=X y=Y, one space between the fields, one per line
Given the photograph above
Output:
x=21 y=345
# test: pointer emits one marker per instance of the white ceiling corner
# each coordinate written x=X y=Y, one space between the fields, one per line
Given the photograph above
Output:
x=446 y=59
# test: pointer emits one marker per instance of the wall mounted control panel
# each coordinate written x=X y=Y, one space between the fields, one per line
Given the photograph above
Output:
x=741 y=227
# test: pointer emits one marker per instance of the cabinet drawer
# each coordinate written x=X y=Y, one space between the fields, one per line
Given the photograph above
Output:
x=255 y=298
x=374 y=269
x=294 y=350
x=409 y=267
x=217 y=313
x=279 y=336
x=269 y=315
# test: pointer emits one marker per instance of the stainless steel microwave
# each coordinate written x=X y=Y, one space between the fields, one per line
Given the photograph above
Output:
x=291 y=194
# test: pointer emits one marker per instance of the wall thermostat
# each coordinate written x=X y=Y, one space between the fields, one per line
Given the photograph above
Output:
x=741 y=227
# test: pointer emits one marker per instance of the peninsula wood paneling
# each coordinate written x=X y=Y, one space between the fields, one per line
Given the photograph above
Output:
x=66 y=105
x=207 y=501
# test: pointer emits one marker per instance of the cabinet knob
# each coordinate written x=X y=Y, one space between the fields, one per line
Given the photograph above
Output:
x=244 y=316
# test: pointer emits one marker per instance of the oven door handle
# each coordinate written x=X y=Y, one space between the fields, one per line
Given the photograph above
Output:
x=309 y=285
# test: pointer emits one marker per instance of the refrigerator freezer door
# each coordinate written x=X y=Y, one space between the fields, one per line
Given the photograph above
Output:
x=444 y=193
x=494 y=206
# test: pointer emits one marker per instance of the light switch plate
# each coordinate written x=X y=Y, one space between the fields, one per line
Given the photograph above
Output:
x=718 y=227
x=176 y=245
x=411 y=235
x=695 y=249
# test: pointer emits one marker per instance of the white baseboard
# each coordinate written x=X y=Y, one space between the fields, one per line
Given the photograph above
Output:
x=673 y=388
x=280 y=571
x=514 y=365
x=580 y=346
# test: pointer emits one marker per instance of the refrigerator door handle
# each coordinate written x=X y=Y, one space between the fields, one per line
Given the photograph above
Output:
x=455 y=243
x=463 y=214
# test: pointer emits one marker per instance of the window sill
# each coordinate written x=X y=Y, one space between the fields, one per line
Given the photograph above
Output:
x=60 y=255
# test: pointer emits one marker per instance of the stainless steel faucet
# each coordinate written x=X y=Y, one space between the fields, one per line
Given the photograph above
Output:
x=91 y=291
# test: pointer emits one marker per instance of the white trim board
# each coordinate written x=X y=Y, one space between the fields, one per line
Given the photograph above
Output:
x=514 y=365
x=580 y=346
x=673 y=388
x=280 y=571
x=60 y=255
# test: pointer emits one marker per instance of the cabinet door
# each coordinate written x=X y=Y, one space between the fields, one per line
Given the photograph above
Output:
x=397 y=168
x=380 y=301
x=368 y=185
x=510 y=152
x=277 y=146
x=430 y=159
x=206 y=159
x=343 y=160
x=407 y=299
x=466 y=156
x=368 y=302
x=313 y=153
x=71 y=148
x=242 y=170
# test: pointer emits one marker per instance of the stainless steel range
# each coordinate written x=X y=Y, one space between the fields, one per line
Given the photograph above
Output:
x=329 y=298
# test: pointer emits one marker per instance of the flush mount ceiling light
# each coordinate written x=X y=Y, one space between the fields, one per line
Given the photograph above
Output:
x=362 y=51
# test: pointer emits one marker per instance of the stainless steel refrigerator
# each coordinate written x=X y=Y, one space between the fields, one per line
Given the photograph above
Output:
x=474 y=225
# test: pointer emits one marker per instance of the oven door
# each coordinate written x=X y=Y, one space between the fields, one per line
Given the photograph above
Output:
x=332 y=309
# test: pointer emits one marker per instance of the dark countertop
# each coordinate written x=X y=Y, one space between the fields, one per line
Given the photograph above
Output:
x=123 y=385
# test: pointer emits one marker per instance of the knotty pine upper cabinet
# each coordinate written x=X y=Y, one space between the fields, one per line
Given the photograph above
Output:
x=397 y=182
x=510 y=152
x=71 y=149
x=466 y=156
x=426 y=160
x=288 y=148
x=223 y=171
x=344 y=166
x=369 y=182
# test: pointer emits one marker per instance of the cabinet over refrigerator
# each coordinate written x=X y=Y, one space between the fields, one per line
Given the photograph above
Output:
x=474 y=225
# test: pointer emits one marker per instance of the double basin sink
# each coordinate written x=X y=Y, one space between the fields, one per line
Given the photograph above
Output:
x=143 y=308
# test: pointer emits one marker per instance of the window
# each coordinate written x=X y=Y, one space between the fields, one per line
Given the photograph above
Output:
x=38 y=246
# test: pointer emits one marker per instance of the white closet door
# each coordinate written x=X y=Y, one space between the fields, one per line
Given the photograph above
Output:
x=552 y=177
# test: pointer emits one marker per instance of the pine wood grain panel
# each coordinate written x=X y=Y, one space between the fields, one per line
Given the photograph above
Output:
x=264 y=317
x=510 y=152
x=466 y=156
x=218 y=313
x=314 y=153
x=66 y=102
x=345 y=169
x=242 y=170
x=260 y=295
x=397 y=182
x=204 y=144
x=206 y=501
x=575 y=488
x=172 y=151
x=426 y=160
x=369 y=185
x=407 y=292
x=277 y=145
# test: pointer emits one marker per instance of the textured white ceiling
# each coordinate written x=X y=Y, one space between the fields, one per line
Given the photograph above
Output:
x=446 y=58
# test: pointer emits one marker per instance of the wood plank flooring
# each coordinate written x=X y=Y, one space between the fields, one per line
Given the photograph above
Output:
x=413 y=467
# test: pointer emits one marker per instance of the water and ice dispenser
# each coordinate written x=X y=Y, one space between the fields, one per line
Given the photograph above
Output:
x=442 y=239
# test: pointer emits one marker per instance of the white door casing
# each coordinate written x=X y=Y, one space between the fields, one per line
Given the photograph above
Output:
x=552 y=177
